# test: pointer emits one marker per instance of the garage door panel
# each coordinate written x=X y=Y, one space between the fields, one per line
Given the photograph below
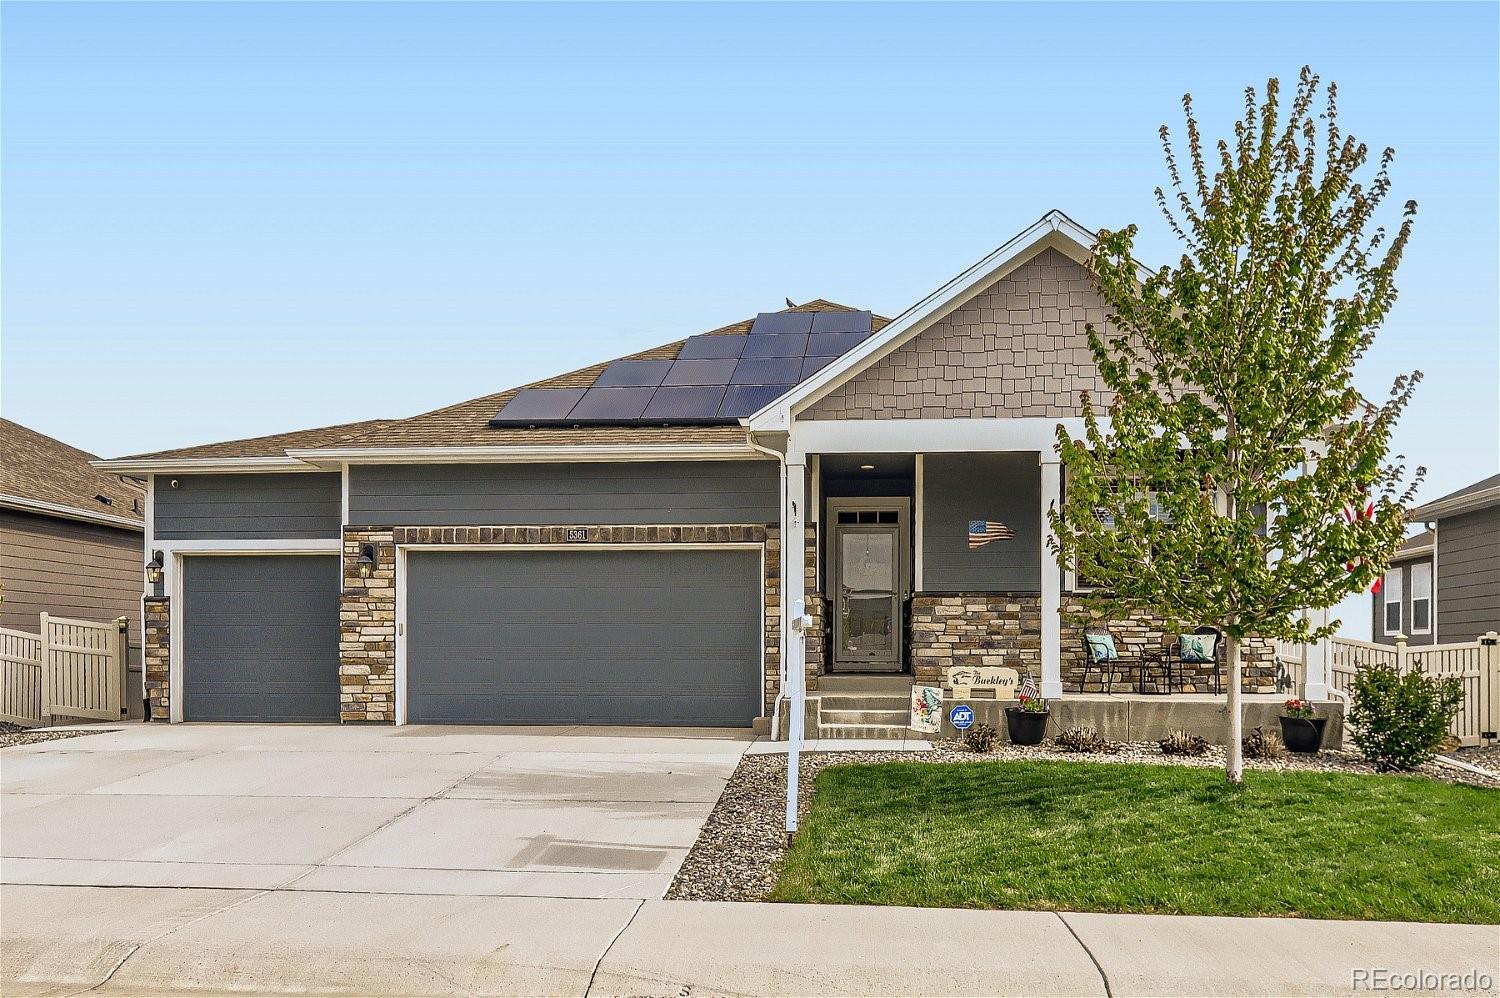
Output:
x=260 y=637
x=625 y=637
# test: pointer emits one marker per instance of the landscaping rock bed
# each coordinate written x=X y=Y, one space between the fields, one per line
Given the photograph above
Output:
x=14 y=734
x=742 y=842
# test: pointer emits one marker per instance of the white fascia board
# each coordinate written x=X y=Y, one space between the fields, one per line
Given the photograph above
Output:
x=69 y=512
x=1466 y=503
x=201 y=465
x=279 y=545
x=562 y=453
x=932 y=436
x=1053 y=230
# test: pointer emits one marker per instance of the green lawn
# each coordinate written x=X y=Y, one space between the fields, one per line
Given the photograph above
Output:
x=1117 y=837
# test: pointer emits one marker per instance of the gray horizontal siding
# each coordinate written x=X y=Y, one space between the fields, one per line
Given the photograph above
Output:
x=957 y=488
x=1468 y=575
x=247 y=507
x=682 y=492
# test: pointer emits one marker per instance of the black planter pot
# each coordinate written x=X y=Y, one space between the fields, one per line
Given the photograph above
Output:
x=1302 y=734
x=1026 y=727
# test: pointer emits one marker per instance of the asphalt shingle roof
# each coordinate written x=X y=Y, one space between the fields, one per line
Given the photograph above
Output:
x=40 y=468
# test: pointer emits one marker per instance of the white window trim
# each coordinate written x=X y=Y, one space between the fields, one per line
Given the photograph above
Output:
x=1393 y=574
x=1415 y=568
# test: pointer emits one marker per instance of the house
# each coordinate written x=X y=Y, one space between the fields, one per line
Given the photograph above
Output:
x=622 y=543
x=70 y=536
x=1443 y=585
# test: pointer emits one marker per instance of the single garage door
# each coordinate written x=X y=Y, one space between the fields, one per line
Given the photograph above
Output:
x=584 y=637
x=261 y=638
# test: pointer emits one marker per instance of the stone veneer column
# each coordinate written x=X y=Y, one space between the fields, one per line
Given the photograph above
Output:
x=815 y=609
x=367 y=629
x=156 y=656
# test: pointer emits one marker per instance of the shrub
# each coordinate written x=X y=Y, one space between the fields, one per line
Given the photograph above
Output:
x=1085 y=739
x=1399 y=721
x=981 y=738
x=1263 y=744
x=1179 y=742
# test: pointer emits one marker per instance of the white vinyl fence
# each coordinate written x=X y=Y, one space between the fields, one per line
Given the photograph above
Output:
x=1476 y=664
x=73 y=668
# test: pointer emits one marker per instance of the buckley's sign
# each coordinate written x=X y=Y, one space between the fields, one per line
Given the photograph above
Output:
x=963 y=680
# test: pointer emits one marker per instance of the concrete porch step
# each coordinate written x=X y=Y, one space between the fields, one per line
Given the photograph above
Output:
x=886 y=717
x=866 y=701
x=866 y=731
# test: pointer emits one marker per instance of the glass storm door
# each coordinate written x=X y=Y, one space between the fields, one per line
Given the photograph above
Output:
x=867 y=611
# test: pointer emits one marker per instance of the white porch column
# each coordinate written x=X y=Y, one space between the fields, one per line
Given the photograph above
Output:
x=1315 y=655
x=793 y=646
x=1051 y=580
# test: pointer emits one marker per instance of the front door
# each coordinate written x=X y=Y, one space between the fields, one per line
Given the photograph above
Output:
x=867 y=597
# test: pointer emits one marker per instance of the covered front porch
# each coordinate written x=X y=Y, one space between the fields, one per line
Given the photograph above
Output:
x=920 y=563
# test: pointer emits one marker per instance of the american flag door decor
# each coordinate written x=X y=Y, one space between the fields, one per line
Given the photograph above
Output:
x=981 y=532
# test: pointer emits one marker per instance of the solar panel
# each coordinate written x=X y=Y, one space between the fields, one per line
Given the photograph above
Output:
x=700 y=372
x=611 y=405
x=633 y=374
x=530 y=405
x=776 y=345
x=772 y=371
x=673 y=404
x=841 y=322
x=707 y=347
x=782 y=322
x=812 y=365
x=833 y=344
x=742 y=400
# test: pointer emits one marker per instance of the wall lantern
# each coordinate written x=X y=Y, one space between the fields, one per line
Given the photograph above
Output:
x=153 y=569
x=366 y=560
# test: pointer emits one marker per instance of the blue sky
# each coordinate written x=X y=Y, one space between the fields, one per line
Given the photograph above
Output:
x=224 y=220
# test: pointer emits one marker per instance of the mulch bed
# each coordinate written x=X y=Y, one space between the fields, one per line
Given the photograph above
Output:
x=739 y=851
x=14 y=734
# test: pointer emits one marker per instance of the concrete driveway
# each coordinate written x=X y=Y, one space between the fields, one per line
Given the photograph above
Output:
x=535 y=812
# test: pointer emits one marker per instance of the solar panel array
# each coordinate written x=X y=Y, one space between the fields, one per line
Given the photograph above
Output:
x=716 y=378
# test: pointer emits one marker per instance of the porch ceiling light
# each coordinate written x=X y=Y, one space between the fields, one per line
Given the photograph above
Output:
x=153 y=569
x=366 y=560
x=867 y=467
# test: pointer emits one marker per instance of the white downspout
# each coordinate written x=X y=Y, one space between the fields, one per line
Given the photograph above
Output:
x=781 y=630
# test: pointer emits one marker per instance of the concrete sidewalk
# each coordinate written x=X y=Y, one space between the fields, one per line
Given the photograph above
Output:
x=60 y=940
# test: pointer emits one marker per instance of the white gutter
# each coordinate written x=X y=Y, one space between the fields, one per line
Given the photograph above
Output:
x=199 y=465
x=529 y=453
x=69 y=512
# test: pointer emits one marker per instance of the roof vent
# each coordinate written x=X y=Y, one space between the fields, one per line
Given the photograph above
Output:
x=106 y=500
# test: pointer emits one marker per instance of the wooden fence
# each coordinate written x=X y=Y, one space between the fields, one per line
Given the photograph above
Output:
x=73 y=668
x=1476 y=664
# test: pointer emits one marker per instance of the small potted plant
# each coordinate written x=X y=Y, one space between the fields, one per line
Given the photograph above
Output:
x=1027 y=722
x=1301 y=728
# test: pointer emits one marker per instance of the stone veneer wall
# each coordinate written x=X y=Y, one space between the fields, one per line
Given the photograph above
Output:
x=976 y=629
x=367 y=607
x=815 y=609
x=156 y=656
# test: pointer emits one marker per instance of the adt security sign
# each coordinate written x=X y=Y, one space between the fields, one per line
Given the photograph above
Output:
x=961 y=716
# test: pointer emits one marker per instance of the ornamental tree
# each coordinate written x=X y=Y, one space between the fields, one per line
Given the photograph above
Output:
x=1240 y=478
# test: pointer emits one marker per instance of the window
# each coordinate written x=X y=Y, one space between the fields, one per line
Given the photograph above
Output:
x=1421 y=598
x=1392 y=591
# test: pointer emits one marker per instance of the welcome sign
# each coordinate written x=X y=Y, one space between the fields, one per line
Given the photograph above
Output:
x=963 y=680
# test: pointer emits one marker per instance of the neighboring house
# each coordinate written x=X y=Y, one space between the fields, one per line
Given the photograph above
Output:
x=70 y=536
x=610 y=545
x=1443 y=585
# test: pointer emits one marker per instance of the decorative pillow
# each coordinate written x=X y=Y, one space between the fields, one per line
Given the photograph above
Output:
x=1102 y=647
x=1196 y=647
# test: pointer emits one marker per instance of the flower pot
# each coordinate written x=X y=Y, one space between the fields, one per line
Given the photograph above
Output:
x=1026 y=727
x=1302 y=734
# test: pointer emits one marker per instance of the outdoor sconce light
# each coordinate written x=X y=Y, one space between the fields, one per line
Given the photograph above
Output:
x=153 y=569
x=366 y=560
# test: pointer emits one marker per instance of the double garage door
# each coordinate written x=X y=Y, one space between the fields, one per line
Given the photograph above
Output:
x=618 y=636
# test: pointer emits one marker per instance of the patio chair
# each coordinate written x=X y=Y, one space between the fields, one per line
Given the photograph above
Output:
x=1172 y=658
x=1092 y=659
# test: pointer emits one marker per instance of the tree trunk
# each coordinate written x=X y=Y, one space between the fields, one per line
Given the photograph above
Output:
x=1234 y=767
